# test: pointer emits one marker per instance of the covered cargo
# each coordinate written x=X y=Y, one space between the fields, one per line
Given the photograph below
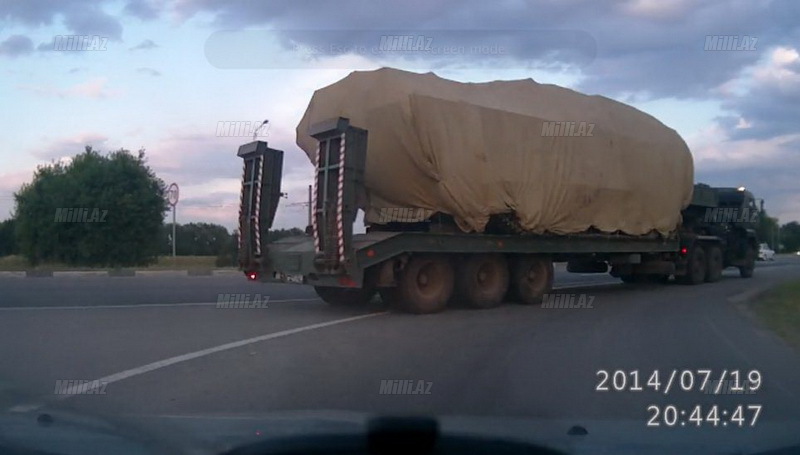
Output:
x=561 y=161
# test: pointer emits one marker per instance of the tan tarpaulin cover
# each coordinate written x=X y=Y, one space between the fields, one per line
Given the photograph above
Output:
x=475 y=149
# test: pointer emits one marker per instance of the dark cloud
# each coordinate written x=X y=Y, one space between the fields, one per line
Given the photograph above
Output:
x=46 y=46
x=93 y=21
x=772 y=106
x=79 y=16
x=143 y=9
x=646 y=47
x=148 y=71
x=15 y=46
x=146 y=44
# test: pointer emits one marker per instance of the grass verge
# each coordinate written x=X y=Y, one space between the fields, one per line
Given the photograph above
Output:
x=779 y=309
x=18 y=263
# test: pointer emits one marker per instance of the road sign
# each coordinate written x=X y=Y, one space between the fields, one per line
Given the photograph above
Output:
x=172 y=194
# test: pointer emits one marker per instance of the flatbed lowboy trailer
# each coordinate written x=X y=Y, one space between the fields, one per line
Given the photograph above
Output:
x=421 y=267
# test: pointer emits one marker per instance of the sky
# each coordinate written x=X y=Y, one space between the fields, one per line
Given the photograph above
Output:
x=162 y=75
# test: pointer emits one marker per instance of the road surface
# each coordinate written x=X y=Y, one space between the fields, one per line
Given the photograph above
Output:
x=160 y=346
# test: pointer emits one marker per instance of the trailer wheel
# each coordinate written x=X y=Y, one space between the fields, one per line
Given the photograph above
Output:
x=532 y=278
x=345 y=296
x=482 y=280
x=746 y=271
x=425 y=285
x=715 y=264
x=695 y=266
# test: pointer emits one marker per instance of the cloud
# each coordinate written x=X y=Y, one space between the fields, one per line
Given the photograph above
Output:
x=10 y=183
x=79 y=17
x=95 y=89
x=769 y=101
x=146 y=44
x=143 y=9
x=657 y=9
x=643 y=46
x=68 y=147
x=148 y=71
x=15 y=46
x=765 y=166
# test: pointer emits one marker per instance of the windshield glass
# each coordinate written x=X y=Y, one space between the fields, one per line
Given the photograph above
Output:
x=570 y=224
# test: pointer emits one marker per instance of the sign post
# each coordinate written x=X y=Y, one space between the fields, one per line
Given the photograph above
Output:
x=172 y=198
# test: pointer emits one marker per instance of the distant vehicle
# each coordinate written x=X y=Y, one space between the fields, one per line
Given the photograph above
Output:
x=765 y=253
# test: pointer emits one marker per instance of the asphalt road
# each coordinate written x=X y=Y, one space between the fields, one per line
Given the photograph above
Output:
x=161 y=347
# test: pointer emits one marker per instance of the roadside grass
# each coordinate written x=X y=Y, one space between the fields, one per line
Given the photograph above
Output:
x=779 y=309
x=16 y=263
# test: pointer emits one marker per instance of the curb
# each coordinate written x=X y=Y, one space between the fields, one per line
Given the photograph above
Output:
x=199 y=272
x=36 y=273
x=226 y=272
x=12 y=274
x=75 y=273
x=748 y=295
x=162 y=273
x=121 y=272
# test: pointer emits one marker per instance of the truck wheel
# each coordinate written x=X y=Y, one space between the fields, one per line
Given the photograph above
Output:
x=482 y=280
x=425 y=284
x=695 y=266
x=345 y=296
x=746 y=271
x=532 y=278
x=715 y=260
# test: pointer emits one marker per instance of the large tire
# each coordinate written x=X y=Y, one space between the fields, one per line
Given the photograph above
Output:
x=746 y=271
x=482 y=280
x=424 y=286
x=345 y=296
x=695 y=266
x=532 y=277
x=715 y=264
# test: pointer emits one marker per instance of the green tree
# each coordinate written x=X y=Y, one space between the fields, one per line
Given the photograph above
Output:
x=8 y=244
x=202 y=239
x=790 y=236
x=195 y=239
x=767 y=230
x=277 y=234
x=227 y=257
x=122 y=204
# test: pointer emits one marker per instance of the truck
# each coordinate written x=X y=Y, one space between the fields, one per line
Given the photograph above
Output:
x=422 y=266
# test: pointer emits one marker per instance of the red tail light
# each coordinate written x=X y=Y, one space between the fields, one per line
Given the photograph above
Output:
x=684 y=250
x=252 y=276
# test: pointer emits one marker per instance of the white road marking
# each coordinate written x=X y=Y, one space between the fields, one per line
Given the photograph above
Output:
x=122 y=375
x=589 y=285
x=24 y=408
x=143 y=305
